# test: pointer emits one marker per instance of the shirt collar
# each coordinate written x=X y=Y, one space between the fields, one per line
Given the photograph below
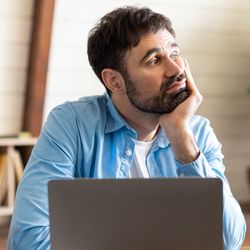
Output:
x=114 y=119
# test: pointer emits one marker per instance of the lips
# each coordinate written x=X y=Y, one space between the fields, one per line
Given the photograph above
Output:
x=176 y=86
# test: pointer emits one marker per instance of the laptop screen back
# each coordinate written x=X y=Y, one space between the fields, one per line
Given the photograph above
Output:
x=136 y=214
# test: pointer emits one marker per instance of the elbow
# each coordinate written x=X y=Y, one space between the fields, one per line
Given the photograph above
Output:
x=234 y=236
x=37 y=238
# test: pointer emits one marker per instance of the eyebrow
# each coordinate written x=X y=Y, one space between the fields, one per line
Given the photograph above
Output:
x=154 y=50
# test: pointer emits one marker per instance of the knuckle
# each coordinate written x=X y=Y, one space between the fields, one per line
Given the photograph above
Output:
x=199 y=98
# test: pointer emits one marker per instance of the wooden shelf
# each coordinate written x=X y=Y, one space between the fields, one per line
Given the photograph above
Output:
x=11 y=170
x=5 y=211
x=13 y=141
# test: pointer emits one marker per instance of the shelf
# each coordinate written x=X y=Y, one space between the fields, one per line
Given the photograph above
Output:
x=5 y=211
x=11 y=170
x=13 y=141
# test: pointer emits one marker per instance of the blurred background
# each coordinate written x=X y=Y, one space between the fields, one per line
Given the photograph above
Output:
x=43 y=62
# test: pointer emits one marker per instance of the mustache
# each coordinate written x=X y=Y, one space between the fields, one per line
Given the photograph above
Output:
x=166 y=84
x=173 y=79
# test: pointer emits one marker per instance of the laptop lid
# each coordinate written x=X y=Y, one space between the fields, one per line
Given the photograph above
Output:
x=136 y=214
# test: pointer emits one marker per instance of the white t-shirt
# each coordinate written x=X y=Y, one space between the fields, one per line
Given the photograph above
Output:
x=138 y=167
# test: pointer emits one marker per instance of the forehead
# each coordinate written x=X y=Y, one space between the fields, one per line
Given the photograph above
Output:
x=162 y=39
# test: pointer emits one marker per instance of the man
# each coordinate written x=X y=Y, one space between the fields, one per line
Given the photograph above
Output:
x=144 y=127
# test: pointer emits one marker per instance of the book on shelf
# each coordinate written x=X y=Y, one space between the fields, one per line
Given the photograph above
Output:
x=3 y=177
x=11 y=171
x=16 y=159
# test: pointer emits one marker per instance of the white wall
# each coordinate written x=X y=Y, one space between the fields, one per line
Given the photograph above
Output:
x=15 y=27
x=214 y=36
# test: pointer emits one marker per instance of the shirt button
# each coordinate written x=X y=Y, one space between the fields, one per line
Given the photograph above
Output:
x=128 y=152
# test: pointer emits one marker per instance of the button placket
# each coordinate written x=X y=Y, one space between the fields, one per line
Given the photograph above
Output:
x=128 y=152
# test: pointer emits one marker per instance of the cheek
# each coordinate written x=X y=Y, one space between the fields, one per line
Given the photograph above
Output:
x=147 y=81
x=150 y=86
x=152 y=77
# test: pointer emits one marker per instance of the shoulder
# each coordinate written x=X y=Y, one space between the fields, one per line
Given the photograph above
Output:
x=84 y=107
x=201 y=127
x=199 y=122
x=73 y=121
x=204 y=133
x=82 y=114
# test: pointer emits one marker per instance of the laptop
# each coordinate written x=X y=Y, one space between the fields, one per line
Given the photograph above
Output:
x=136 y=214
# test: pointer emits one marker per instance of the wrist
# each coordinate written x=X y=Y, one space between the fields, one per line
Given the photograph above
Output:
x=188 y=158
x=182 y=141
x=175 y=125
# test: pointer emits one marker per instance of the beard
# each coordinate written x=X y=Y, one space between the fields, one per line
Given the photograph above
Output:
x=159 y=104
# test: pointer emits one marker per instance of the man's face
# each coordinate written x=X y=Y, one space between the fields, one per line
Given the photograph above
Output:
x=154 y=74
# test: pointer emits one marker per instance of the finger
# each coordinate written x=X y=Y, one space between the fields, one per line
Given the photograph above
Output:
x=190 y=80
x=191 y=83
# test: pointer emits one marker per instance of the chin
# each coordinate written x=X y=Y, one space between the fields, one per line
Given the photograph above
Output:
x=176 y=99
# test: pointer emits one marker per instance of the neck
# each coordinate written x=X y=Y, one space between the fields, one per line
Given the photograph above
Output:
x=145 y=124
x=144 y=132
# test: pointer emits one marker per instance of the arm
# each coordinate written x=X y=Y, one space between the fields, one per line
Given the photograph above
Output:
x=209 y=164
x=205 y=161
x=53 y=157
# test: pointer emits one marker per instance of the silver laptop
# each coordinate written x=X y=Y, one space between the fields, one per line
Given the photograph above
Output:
x=136 y=214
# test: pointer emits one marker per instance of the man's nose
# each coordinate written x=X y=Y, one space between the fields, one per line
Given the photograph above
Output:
x=173 y=68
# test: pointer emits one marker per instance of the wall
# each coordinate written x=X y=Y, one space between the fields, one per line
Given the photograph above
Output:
x=15 y=28
x=213 y=35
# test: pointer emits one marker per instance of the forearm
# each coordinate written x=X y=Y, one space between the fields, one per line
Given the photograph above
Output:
x=28 y=239
x=53 y=157
x=182 y=141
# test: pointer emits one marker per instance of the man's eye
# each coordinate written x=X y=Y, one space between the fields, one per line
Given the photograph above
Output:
x=175 y=56
x=153 y=61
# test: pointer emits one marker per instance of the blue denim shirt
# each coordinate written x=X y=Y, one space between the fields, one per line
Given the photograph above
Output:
x=88 y=138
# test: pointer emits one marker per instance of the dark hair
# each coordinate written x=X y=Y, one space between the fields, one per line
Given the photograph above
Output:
x=119 y=31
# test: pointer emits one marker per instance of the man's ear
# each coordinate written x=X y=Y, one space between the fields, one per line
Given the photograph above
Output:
x=113 y=80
